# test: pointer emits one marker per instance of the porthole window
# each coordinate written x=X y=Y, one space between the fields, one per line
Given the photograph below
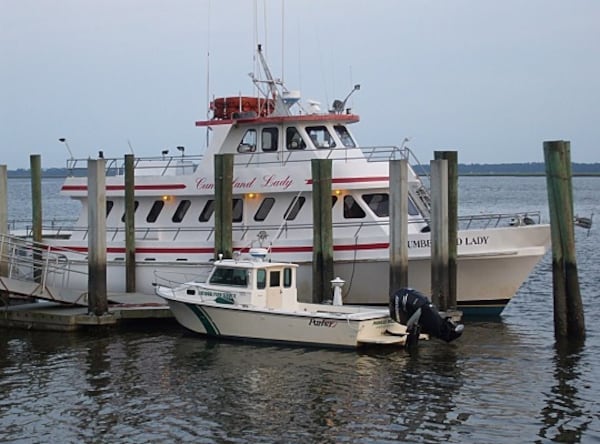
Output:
x=294 y=208
x=207 y=211
x=136 y=204
x=181 y=210
x=109 y=206
x=157 y=207
x=238 y=210
x=264 y=209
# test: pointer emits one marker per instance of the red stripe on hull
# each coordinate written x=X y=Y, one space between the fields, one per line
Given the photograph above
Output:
x=354 y=179
x=298 y=249
x=175 y=186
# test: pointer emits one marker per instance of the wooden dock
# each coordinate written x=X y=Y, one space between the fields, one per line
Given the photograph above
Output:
x=55 y=316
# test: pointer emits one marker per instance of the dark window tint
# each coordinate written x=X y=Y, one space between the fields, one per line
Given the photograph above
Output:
x=320 y=136
x=287 y=277
x=294 y=208
x=293 y=139
x=264 y=209
x=270 y=138
x=412 y=209
x=230 y=276
x=238 y=210
x=248 y=143
x=109 y=206
x=274 y=278
x=207 y=211
x=182 y=208
x=157 y=206
x=379 y=203
x=344 y=136
x=261 y=278
x=352 y=209
x=136 y=204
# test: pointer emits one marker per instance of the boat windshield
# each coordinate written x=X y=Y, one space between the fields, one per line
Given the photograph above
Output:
x=344 y=136
x=237 y=277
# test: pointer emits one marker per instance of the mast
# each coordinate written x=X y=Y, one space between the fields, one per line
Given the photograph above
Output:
x=281 y=109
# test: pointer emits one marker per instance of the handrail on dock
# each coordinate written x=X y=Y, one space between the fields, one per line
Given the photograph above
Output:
x=38 y=262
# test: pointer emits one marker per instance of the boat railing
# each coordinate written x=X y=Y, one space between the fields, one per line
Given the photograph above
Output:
x=54 y=227
x=143 y=166
x=382 y=153
x=250 y=233
x=496 y=220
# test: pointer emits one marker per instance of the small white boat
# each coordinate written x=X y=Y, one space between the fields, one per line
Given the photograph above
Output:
x=253 y=299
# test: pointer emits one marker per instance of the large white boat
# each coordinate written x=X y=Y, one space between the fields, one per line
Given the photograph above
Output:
x=273 y=139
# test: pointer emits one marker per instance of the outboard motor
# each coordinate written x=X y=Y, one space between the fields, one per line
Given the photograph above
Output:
x=415 y=310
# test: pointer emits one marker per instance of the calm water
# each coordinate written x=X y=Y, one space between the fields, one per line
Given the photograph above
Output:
x=503 y=381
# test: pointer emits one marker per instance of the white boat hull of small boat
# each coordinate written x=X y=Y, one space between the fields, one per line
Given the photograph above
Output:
x=312 y=324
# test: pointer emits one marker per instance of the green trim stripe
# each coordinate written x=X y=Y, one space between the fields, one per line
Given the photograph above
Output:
x=210 y=327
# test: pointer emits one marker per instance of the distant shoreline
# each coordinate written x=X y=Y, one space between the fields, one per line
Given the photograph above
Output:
x=477 y=170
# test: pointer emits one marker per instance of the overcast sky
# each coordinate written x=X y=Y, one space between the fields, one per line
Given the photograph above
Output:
x=491 y=79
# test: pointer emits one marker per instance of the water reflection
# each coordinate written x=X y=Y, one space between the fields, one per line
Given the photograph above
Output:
x=564 y=417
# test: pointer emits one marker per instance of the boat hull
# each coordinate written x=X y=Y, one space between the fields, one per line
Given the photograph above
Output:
x=302 y=328
x=491 y=266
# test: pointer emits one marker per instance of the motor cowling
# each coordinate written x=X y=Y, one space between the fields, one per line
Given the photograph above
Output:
x=408 y=306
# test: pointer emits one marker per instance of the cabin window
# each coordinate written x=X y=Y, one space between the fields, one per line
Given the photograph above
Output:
x=293 y=139
x=269 y=139
x=248 y=143
x=136 y=204
x=412 y=208
x=379 y=203
x=157 y=207
x=264 y=209
x=207 y=211
x=344 y=136
x=320 y=136
x=181 y=210
x=274 y=279
x=230 y=276
x=287 y=277
x=237 y=210
x=261 y=279
x=109 y=206
x=352 y=209
x=294 y=208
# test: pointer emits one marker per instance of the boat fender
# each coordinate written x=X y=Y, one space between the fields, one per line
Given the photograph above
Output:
x=408 y=306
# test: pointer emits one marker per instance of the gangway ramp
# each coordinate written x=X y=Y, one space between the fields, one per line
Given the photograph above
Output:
x=36 y=290
x=36 y=270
